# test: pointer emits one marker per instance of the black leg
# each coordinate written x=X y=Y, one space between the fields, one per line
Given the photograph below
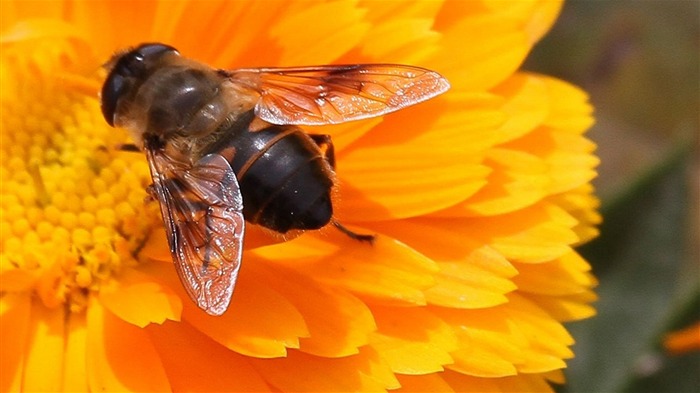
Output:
x=326 y=144
x=128 y=147
x=353 y=235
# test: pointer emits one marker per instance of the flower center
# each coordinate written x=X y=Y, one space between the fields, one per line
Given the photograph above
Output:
x=72 y=209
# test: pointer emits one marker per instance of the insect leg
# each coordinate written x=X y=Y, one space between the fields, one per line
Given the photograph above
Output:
x=325 y=143
x=354 y=235
x=128 y=147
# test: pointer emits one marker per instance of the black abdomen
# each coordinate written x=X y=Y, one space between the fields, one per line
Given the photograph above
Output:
x=284 y=178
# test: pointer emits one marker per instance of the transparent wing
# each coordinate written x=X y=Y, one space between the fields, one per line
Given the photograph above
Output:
x=335 y=94
x=202 y=210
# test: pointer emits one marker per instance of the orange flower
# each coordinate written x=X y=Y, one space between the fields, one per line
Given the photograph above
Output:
x=477 y=198
x=683 y=340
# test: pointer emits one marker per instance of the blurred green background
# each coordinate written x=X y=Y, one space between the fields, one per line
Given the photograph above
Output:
x=639 y=61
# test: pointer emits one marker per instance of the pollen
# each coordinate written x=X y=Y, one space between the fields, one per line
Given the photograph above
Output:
x=70 y=213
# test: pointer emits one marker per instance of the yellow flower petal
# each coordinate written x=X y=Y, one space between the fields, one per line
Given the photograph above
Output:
x=98 y=17
x=518 y=383
x=527 y=104
x=329 y=38
x=379 y=12
x=517 y=180
x=476 y=65
x=43 y=365
x=403 y=41
x=537 y=16
x=189 y=356
x=470 y=274
x=583 y=205
x=33 y=29
x=424 y=383
x=465 y=285
x=338 y=323
x=118 y=353
x=264 y=323
x=139 y=300
x=413 y=340
x=14 y=333
x=566 y=275
x=14 y=279
x=74 y=365
x=386 y=272
x=537 y=234
x=408 y=172
x=566 y=308
x=570 y=111
x=301 y=372
x=345 y=134
x=548 y=341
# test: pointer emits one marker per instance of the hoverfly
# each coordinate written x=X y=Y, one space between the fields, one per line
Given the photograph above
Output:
x=223 y=147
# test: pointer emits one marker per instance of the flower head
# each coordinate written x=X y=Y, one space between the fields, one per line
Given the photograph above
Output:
x=477 y=199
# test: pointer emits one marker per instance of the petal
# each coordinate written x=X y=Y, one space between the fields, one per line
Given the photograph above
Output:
x=14 y=279
x=111 y=361
x=301 y=372
x=541 y=18
x=402 y=33
x=344 y=134
x=139 y=300
x=430 y=383
x=338 y=322
x=104 y=24
x=570 y=109
x=403 y=41
x=566 y=308
x=196 y=363
x=13 y=11
x=548 y=340
x=329 y=38
x=583 y=205
x=260 y=321
x=536 y=234
x=516 y=383
x=504 y=340
x=536 y=16
x=527 y=104
x=412 y=340
x=34 y=28
x=380 y=11
x=478 y=64
x=384 y=272
x=517 y=180
x=14 y=332
x=566 y=275
x=469 y=285
x=489 y=344
x=419 y=160
x=75 y=364
x=43 y=365
x=471 y=275
x=242 y=29
x=684 y=340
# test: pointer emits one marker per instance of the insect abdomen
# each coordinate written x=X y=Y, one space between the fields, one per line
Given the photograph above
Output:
x=284 y=179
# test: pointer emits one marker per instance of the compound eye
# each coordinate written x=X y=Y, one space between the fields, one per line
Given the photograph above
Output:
x=152 y=50
x=112 y=90
x=129 y=67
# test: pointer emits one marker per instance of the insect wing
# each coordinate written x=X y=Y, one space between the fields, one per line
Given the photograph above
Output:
x=335 y=94
x=202 y=210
